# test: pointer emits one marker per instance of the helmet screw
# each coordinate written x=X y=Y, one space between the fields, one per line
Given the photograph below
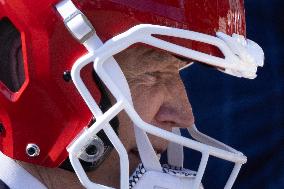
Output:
x=67 y=76
x=32 y=150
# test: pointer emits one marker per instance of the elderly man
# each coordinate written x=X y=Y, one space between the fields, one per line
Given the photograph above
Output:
x=139 y=83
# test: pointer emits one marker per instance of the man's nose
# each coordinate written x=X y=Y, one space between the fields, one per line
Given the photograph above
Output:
x=176 y=110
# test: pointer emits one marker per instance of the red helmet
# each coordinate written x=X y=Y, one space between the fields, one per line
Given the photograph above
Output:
x=42 y=110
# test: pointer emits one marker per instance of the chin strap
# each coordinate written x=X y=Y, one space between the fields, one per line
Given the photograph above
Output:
x=175 y=153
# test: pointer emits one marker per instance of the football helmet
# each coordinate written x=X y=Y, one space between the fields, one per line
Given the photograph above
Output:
x=45 y=117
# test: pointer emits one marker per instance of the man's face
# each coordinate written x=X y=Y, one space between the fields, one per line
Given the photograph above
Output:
x=158 y=95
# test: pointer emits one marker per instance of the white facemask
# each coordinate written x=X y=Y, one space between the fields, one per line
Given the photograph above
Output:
x=241 y=59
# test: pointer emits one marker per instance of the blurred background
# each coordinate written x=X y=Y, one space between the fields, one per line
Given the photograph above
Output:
x=245 y=114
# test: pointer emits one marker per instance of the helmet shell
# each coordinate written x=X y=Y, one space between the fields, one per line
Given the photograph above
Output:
x=47 y=110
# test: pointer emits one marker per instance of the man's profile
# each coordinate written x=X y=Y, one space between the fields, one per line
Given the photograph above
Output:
x=91 y=90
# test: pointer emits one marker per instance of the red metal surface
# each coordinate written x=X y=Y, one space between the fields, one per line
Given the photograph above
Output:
x=49 y=111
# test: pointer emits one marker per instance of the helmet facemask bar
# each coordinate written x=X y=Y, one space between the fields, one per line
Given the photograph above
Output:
x=232 y=64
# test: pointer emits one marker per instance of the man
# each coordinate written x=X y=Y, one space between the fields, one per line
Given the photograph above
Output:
x=160 y=104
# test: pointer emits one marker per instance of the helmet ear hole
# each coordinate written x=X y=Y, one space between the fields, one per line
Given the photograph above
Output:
x=11 y=59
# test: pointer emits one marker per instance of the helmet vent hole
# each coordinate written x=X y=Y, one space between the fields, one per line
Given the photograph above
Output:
x=11 y=59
